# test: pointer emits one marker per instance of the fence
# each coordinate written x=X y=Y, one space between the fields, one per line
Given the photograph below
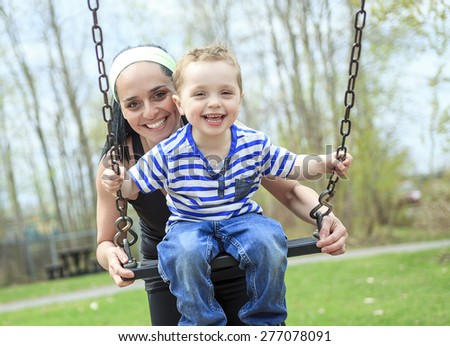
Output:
x=34 y=256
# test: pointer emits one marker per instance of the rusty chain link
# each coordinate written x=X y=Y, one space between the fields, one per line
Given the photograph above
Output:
x=124 y=223
x=345 y=126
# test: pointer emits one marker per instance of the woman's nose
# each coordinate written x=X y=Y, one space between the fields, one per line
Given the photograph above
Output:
x=150 y=111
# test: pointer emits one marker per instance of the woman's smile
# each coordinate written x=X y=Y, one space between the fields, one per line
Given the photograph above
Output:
x=157 y=125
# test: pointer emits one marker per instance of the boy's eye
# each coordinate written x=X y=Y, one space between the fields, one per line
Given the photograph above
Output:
x=228 y=93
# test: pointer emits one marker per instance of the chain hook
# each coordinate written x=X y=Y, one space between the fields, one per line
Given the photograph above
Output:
x=131 y=260
x=123 y=225
x=318 y=216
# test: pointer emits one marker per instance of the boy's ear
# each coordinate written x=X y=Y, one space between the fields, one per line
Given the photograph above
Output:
x=177 y=102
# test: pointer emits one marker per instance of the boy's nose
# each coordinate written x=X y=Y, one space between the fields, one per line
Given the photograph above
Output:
x=214 y=102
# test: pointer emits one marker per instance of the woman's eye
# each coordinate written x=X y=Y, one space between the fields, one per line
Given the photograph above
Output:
x=132 y=104
x=159 y=96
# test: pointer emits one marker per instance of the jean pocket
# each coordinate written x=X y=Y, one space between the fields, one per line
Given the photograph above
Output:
x=243 y=187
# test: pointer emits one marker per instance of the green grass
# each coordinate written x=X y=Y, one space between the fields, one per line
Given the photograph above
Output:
x=123 y=309
x=45 y=288
x=405 y=289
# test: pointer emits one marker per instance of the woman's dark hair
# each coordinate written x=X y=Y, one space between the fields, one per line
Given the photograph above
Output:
x=120 y=126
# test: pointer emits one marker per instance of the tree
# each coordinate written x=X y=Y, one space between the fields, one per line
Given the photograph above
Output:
x=83 y=164
x=26 y=84
x=50 y=90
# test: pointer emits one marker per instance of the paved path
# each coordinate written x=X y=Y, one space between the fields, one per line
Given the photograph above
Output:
x=113 y=289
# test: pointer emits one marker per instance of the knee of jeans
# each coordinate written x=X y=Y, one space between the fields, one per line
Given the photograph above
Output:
x=274 y=247
x=277 y=254
x=190 y=250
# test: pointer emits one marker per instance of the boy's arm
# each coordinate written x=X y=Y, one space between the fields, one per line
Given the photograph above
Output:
x=312 y=167
x=113 y=182
x=129 y=187
x=301 y=200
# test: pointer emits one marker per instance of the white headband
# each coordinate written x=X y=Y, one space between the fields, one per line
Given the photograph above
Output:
x=130 y=56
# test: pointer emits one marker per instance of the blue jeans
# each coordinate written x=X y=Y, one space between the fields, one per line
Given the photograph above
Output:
x=259 y=245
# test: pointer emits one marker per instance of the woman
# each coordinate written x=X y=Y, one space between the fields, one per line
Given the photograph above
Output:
x=144 y=114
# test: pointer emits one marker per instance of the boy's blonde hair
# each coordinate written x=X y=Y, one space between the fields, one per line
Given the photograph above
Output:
x=215 y=52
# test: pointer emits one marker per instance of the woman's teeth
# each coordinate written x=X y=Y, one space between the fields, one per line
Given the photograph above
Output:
x=156 y=125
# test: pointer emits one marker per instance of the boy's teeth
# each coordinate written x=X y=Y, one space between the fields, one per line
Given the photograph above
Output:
x=214 y=118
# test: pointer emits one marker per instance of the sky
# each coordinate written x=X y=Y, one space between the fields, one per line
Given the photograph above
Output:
x=130 y=22
x=411 y=128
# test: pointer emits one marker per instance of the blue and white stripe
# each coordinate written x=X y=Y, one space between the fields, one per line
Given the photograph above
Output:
x=177 y=166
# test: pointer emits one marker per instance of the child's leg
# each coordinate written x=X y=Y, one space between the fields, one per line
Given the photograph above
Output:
x=184 y=256
x=260 y=246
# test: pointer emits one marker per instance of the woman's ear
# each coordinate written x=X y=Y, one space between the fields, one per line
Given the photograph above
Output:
x=177 y=102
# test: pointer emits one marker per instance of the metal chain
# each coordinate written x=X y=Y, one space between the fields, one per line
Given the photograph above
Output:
x=124 y=223
x=345 y=127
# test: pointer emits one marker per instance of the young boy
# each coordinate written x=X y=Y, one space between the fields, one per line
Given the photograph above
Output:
x=210 y=169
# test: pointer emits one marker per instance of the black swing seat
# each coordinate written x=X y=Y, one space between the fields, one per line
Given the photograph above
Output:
x=148 y=269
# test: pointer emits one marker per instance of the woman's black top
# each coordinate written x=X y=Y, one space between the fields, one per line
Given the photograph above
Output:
x=153 y=213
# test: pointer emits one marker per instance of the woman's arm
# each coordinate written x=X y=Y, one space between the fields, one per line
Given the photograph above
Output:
x=301 y=200
x=109 y=256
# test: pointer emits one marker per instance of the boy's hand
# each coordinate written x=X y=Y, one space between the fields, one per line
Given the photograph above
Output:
x=333 y=164
x=111 y=181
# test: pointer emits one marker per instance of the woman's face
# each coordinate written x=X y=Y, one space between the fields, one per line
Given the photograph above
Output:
x=145 y=96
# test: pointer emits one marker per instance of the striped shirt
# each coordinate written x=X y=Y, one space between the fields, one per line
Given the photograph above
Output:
x=197 y=192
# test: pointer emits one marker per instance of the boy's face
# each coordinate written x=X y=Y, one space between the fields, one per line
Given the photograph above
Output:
x=210 y=96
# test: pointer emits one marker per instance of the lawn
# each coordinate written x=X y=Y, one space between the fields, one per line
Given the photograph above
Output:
x=404 y=289
x=45 y=288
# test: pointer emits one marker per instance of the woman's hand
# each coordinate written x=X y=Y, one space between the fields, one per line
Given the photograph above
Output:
x=333 y=236
x=116 y=258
